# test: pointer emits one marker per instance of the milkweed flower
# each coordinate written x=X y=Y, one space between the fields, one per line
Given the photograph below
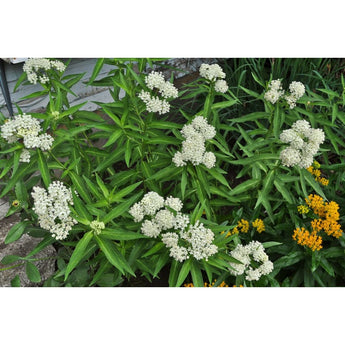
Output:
x=214 y=73
x=155 y=81
x=297 y=90
x=97 y=226
x=252 y=251
x=211 y=72
x=24 y=156
x=36 y=68
x=275 y=91
x=304 y=144
x=52 y=208
x=188 y=240
x=193 y=147
x=221 y=86
x=26 y=128
x=153 y=103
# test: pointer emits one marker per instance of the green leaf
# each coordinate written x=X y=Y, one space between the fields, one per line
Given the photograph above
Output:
x=283 y=191
x=80 y=208
x=165 y=172
x=92 y=187
x=173 y=274
x=32 y=272
x=123 y=192
x=113 y=137
x=43 y=168
x=250 y=117
x=80 y=186
x=44 y=243
x=244 y=186
x=271 y=244
x=102 y=186
x=15 y=282
x=164 y=140
x=197 y=278
x=17 y=176
x=311 y=181
x=78 y=253
x=156 y=248
x=15 y=232
x=183 y=183
x=185 y=269
x=327 y=266
x=164 y=125
x=259 y=157
x=120 y=209
x=160 y=263
x=9 y=259
x=128 y=152
x=218 y=176
x=71 y=110
x=121 y=234
x=113 y=255
x=96 y=70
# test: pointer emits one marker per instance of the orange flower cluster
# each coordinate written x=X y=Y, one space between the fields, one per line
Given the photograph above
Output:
x=259 y=225
x=222 y=284
x=328 y=222
x=313 y=169
x=305 y=238
x=243 y=226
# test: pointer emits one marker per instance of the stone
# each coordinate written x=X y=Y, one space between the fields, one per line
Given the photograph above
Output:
x=23 y=247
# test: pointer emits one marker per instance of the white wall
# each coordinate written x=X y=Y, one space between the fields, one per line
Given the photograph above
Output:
x=83 y=92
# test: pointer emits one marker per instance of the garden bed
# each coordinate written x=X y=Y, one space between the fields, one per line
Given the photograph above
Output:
x=230 y=175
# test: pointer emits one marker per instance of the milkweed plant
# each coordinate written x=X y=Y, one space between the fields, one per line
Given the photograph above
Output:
x=168 y=182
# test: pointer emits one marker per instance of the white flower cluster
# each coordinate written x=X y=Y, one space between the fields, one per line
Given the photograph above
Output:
x=52 y=209
x=27 y=128
x=304 y=143
x=297 y=90
x=35 y=69
x=196 y=239
x=252 y=251
x=212 y=73
x=97 y=227
x=193 y=148
x=155 y=80
x=275 y=92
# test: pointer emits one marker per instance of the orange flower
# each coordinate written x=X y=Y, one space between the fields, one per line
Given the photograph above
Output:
x=259 y=225
x=305 y=238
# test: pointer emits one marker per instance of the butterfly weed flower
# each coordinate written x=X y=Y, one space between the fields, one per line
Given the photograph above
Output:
x=259 y=225
x=303 y=209
x=328 y=213
x=52 y=208
x=315 y=171
x=305 y=238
